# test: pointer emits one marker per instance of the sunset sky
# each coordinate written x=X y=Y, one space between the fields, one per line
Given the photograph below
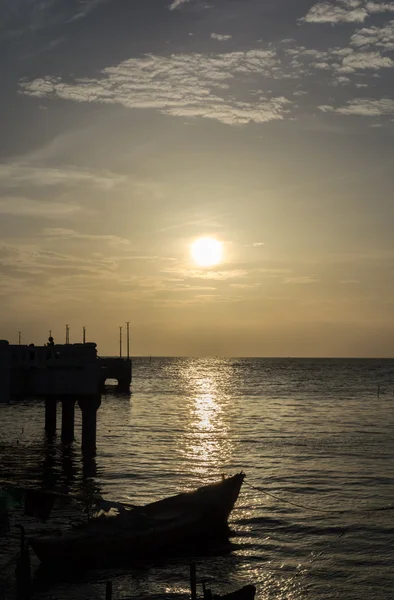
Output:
x=131 y=128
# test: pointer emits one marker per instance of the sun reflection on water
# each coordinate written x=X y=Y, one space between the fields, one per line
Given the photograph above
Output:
x=206 y=408
x=208 y=444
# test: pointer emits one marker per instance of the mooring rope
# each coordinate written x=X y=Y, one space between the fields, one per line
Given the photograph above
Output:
x=312 y=508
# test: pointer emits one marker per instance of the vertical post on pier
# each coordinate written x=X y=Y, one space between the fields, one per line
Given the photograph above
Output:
x=50 y=416
x=68 y=414
x=193 y=581
x=84 y=334
x=23 y=570
x=67 y=334
x=108 y=590
x=89 y=406
x=120 y=341
x=5 y=372
x=19 y=337
x=128 y=339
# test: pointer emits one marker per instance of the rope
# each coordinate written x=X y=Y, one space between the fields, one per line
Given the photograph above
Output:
x=325 y=510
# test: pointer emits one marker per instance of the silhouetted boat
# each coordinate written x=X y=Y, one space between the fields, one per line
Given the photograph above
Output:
x=148 y=531
x=247 y=592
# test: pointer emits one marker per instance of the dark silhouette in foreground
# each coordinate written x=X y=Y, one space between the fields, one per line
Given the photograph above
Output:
x=144 y=533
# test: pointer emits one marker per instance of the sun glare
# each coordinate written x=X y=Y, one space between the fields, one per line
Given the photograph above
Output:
x=206 y=252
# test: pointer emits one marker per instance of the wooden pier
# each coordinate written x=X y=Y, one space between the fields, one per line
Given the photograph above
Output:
x=66 y=373
x=116 y=368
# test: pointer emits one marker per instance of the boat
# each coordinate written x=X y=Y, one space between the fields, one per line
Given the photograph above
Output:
x=247 y=592
x=140 y=533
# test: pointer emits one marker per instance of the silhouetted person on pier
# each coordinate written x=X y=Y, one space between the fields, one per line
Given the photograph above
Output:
x=51 y=341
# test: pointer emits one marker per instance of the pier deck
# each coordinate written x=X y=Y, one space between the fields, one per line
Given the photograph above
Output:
x=70 y=373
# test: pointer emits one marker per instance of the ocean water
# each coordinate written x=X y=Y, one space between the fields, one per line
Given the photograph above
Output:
x=314 y=438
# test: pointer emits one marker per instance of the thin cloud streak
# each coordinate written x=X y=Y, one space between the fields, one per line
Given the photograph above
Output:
x=177 y=4
x=15 y=174
x=220 y=37
x=25 y=207
x=363 y=107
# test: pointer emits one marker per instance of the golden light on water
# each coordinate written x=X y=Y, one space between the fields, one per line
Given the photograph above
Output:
x=209 y=442
x=206 y=408
x=206 y=252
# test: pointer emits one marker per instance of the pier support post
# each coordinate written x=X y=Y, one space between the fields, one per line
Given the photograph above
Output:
x=193 y=581
x=124 y=375
x=68 y=413
x=89 y=406
x=5 y=372
x=123 y=385
x=50 y=416
x=22 y=570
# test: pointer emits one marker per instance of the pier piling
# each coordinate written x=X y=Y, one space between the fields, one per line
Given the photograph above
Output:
x=68 y=414
x=89 y=406
x=193 y=581
x=23 y=570
x=108 y=590
x=50 y=416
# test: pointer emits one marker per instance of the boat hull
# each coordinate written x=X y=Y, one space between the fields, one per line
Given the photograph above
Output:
x=148 y=532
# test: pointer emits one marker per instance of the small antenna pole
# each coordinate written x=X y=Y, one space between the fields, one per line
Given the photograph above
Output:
x=120 y=341
x=67 y=334
x=128 y=339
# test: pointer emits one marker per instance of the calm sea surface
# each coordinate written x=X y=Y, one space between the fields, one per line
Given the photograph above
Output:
x=311 y=432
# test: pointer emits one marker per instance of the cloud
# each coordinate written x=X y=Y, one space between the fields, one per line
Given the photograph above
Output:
x=349 y=281
x=85 y=7
x=382 y=37
x=177 y=4
x=70 y=234
x=221 y=37
x=341 y=64
x=187 y=85
x=302 y=279
x=380 y=7
x=367 y=60
x=48 y=274
x=245 y=286
x=337 y=12
x=363 y=107
x=25 y=207
x=234 y=88
x=345 y=11
x=15 y=174
x=19 y=18
x=222 y=275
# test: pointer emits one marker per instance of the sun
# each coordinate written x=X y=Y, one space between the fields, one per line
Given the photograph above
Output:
x=206 y=252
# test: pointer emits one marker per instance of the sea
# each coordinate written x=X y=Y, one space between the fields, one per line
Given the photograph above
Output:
x=315 y=438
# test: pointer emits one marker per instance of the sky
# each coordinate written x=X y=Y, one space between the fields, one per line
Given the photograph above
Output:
x=131 y=128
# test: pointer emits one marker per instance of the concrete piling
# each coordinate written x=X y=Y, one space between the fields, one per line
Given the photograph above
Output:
x=108 y=590
x=89 y=406
x=5 y=373
x=50 y=416
x=193 y=581
x=68 y=414
x=23 y=570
